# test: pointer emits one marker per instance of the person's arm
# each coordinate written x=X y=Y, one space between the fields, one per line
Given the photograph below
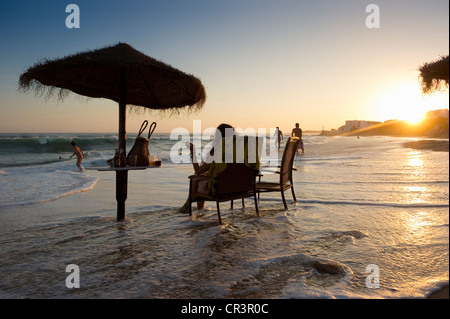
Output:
x=202 y=169
x=197 y=168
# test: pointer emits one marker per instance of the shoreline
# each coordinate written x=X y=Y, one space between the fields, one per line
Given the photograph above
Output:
x=433 y=145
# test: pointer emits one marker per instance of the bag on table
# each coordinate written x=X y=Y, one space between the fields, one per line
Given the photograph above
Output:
x=140 y=147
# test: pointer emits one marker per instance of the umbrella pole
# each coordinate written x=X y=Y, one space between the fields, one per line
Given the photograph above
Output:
x=122 y=176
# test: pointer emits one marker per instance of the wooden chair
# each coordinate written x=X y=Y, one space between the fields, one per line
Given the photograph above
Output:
x=285 y=171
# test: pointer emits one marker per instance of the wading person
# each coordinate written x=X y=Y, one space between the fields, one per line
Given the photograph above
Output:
x=297 y=132
x=278 y=137
x=79 y=154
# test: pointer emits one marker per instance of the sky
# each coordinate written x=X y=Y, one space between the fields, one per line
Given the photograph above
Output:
x=263 y=63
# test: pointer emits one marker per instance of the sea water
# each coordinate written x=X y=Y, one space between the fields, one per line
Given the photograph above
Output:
x=370 y=221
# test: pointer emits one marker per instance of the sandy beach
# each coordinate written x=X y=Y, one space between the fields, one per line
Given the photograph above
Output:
x=434 y=145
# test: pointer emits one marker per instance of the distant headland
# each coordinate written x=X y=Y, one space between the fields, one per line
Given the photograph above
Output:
x=435 y=124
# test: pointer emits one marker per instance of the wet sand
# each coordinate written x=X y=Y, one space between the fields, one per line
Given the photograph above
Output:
x=434 y=145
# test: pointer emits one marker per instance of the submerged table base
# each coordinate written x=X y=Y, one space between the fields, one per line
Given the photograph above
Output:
x=121 y=184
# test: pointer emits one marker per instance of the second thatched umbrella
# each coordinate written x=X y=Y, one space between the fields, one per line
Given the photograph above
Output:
x=124 y=75
x=434 y=75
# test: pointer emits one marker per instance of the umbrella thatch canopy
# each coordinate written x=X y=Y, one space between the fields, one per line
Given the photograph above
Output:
x=122 y=74
x=434 y=75
x=149 y=82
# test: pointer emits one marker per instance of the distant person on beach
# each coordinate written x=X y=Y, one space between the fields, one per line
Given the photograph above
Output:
x=78 y=152
x=200 y=186
x=297 y=132
x=279 y=137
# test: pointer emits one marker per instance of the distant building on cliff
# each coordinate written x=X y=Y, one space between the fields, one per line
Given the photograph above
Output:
x=356 y=125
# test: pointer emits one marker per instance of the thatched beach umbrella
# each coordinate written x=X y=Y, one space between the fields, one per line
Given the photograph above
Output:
x=124 y=75
x=434 y=75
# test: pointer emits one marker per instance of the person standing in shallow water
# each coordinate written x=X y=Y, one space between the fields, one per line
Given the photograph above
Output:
x=78 y=152
x=297 y=132
x=278 y=137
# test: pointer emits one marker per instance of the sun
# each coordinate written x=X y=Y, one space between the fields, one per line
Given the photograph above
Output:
x=414 y=118
x=403 y=100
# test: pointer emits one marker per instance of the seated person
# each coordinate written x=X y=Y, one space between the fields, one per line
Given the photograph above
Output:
x=199 y=185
